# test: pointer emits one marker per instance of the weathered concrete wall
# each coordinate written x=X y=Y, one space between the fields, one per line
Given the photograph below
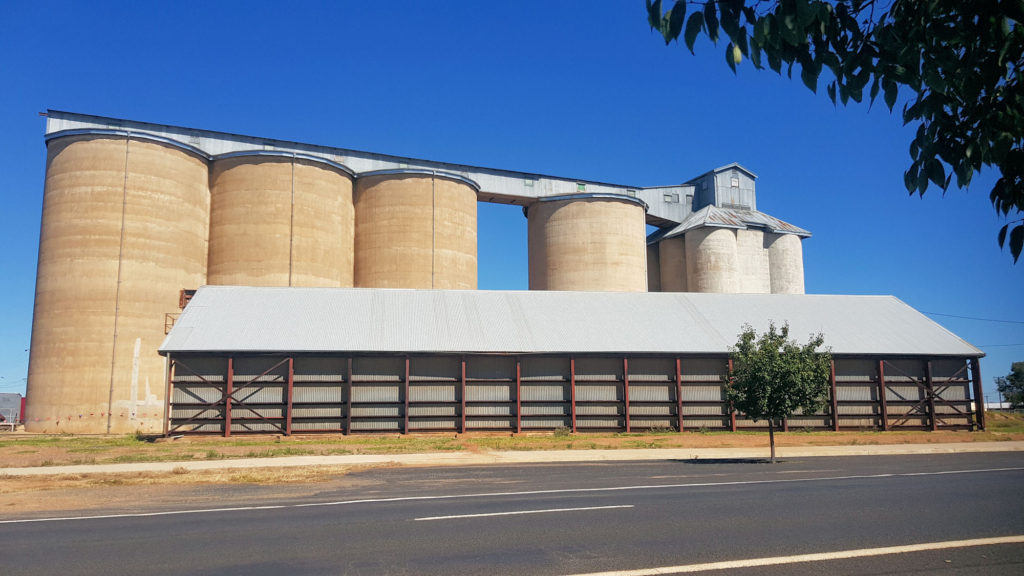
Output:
x=711 y=260
x=786 y=258
x=673 y=264
x=278 y=221
x=415 y=231
x=752 y=272
x=587 y=244
x=124 y=229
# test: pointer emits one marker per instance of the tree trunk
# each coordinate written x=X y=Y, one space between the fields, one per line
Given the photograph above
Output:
x=771 y=437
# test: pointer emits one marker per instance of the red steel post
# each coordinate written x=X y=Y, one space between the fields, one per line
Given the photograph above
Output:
x=881 y=395
x=291 y=387
x=572 y=392
x=348 y=397
x=168 y=371
x=732 y=411
x=979 y=404
x=679 y=394
x=835 y=399
x=625 y=390
x=931 y=395
x=229 y=389
x=519 y=404
x=405 y=412
x=462 y=398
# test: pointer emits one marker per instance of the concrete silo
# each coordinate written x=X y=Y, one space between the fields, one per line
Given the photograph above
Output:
x=673 y=264
x=280 y=220
x=786 y=261
x=587 y=242
x=415 y=229
x=711 y=260
x=124 y=229
x=753 y=275
x=653 y=268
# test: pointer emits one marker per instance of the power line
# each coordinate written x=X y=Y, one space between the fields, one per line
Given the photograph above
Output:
x=978 y=319
x=996 y=345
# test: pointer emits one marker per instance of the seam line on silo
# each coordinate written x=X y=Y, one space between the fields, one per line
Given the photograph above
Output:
x=433 y=226
x=291 y=226
x=117 y=289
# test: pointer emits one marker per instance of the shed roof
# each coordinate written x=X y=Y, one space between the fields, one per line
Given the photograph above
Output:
x=718 y=217
x=364 y=320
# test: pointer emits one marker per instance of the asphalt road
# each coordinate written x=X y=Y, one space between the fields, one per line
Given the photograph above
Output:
x=568 y=519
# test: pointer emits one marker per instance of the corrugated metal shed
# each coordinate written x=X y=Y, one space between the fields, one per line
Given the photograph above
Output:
x=249 y=319
x=717 y=217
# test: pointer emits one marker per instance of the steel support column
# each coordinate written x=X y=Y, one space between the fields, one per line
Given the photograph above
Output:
x=979 y=399
x=931 y=395
x=405 y=412
x=882 y=394
x=348 y=397
x=732 y=410
x=229 y=389
x=835 y=399
x=462 y=398
x=572 y=393
x=625 y=390
x=519 y=404
x=291 y=388
x=168 y=372
x=679 y=395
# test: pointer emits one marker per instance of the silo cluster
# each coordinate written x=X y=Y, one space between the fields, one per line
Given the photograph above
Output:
x=131 y=220
x=729 y=260
x=134 y=218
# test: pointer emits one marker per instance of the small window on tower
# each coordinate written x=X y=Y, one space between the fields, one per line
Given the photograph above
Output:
x=734 y=182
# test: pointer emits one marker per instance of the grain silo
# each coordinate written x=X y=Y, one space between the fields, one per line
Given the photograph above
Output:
x=672 y=261
x=653 y=268
x=592 y=242
x=124 y=229
x=415 y=229
x=752 y=262
x=711 y=260
x=278 y=219
x=786 y=260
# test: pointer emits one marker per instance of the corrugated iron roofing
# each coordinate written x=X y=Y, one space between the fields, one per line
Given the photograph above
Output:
x=717 y=217
x=249 y=319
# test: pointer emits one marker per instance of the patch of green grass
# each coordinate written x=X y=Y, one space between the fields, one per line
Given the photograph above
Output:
x=1004 y=422
x=127 y=458
x=274 y=452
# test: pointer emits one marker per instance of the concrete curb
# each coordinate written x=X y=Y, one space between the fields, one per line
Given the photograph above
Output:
x=521 y=457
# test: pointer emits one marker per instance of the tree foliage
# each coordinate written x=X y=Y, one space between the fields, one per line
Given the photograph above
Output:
x=773 y=377
x=960 y=66
x=1011 y=386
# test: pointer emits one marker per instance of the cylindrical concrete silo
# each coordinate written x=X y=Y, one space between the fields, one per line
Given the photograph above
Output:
x=711 y=260
x=415 y=229
x=653 y=269
x=280 y=220
x=594 y=242
x=786 y=261
x=753 y=275
x=124 y=229
x=673 y=264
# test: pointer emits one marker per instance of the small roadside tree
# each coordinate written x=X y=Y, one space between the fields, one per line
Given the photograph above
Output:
x=773 y=377
x=1011 y=386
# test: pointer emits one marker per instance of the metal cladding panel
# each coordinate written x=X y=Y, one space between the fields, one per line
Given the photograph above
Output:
x=254 y=319
x=490 y=423
x=256 y=394
x=954 y=392
x=490 y=410
x=544 y=392
x=598 y=369
x=318 y=394
x=195 y=394
x=600 y=422
x=200 y=368
x=943 y=368
x=545 y=409
x=376 y=392
x=651 y=422
x=598 y=410
x=652 y=370
x=376 y=411
x=651 y=410
x=433 y=424
x=544 y=368
x=599 y=393
x=490 y=393
x=320 y=369
x=903 y=393
x=846 y=409
x=490 y=367
x=318 y=425
x=704 y=369
x=693 y=393
x=856 y=369
x=536 y=423
x=421 y=410
x=433 y=393
x=703 y=410
x=378 y=369
x=855 y=393
x=376 y=425
x=319 y=412
x=437 y=368
x=711 y=423
x=275 y=369
x=652 y=393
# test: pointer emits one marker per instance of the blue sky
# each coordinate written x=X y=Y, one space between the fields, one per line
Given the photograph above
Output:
x=577 y=89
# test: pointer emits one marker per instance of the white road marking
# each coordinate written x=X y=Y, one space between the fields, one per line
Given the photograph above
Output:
x=819 y=557
x=518 y=512
x=522 y=493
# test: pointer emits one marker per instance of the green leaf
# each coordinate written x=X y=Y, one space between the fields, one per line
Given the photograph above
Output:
x=832 y=92
x=711 y=21
x=693 y=28
x=676 y=17
x=809 y=76
x=654 y=14
x=730 y=57
x=1017 y=241
x=935 y=172
x=891 y=91
x=1002 y=235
